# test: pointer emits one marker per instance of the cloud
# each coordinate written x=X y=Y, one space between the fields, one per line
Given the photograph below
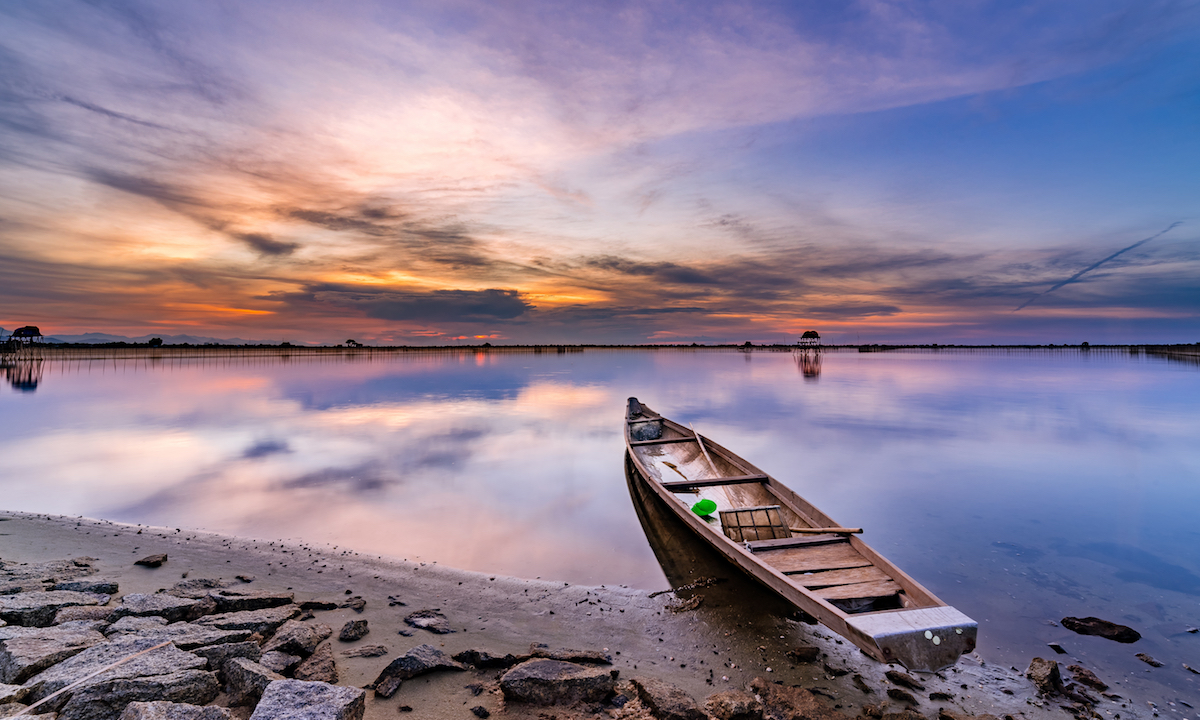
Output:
x=428 y=306
x=264 y=448
x=267 y=245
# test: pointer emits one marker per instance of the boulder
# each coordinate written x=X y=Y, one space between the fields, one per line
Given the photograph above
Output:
x=1101 y=628
x=319 y=666
x=28 y=651
x=197 y=588
x=100 y=587
x=106 y=699
x=354 y=630
x=246 y=681
x=365 y=651
x=134 y=624
x=279 y=662
x=541 y=650
x=48 y=572
x=300 y=700
x=665 y=701
x=82 y=613
x=432 y=620
x=218 y=655
x=186 y=636
x=236 y=601
x=733 y=705
x=298 y=638
x=1086 y=677
x=1045 y=676
x=418 y=661
x=152 y=561
x=1148 y=660
x=37 y=609
x=163 y=710
x=168 y=607
x=260 y=621
x=167 y=660
x=554 y=682
x=485 y=660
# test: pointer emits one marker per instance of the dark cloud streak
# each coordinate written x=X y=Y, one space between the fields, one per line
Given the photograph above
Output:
x=1093 y=266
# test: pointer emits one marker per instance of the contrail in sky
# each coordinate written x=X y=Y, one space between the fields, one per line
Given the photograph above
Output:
x=1095 y=265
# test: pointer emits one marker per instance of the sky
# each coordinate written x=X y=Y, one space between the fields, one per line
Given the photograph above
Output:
x=608 y=172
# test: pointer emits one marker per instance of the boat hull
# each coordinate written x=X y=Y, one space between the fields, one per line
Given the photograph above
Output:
x=924 y=635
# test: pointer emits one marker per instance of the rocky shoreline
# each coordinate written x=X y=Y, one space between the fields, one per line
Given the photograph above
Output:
x=104 y=621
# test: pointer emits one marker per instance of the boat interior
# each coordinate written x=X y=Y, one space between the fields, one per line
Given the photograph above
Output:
x=780 y=528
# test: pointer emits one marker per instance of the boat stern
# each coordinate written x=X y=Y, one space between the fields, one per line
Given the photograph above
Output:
x=921 y=639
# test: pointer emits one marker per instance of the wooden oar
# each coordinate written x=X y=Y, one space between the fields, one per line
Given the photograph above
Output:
x=844 y=531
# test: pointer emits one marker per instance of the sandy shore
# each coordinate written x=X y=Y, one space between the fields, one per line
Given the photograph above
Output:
x=736 y=634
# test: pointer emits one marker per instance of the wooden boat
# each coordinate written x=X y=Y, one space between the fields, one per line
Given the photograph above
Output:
x=794 y=549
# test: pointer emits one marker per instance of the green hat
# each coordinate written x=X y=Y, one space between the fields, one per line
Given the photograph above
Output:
x=704 y=508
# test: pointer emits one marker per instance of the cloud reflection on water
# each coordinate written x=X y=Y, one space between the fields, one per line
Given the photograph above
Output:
x=1020 y=488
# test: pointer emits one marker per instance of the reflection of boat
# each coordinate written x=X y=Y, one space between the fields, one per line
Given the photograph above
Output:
x=793 y=548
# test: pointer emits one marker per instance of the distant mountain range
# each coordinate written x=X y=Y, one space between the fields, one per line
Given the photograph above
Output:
x=94 y=338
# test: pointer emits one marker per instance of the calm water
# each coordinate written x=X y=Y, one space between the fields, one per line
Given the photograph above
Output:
x=1020 y=488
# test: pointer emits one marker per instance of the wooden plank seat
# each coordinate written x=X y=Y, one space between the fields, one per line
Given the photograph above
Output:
x=710 y=482
x=860 y=591
x=795 y=541
x=662 y=441
x=847 y=576
x=796 y=560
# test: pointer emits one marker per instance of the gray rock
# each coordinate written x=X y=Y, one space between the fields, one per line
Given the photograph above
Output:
x=50 y=572
x=152 y=561
x=354 y=630
x=418 y=661
x=319 y=666
x=1045 y=676
x=169 y=607
x=246 y=681
x=186 y=636
x=552 y=682
x=107 y=699
x=12 y=708
x=665 y=701
x=365 y=651
x=218 y=655
x=300 y=700
x=1087 y=677
x=25 y=654
x=733 y=705
x=541 y=650
x=133 y=624
x=37 y=609
x=260 y=621
x=100 y=587
x=76 y=613
x=904 y=680
x=298 y=638
x=12 y=588
x=279 y=662
x=162 y=710
x=432 y=620
x=804 y=653
x=236 y=601
x=484 y=659
x=13 y=693
x=1101 y=628
x=197 y=588
x=163 y=661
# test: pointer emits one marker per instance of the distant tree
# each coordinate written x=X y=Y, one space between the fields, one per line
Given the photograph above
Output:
x=1086 y=345
x=155 y=342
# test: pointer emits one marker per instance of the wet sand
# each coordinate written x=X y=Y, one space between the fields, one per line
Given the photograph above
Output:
x=737 y=633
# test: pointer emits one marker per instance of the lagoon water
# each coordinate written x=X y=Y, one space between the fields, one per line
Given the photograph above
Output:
x=1020 y=487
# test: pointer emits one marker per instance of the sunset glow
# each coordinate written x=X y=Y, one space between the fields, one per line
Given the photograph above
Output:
x=431 y=173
